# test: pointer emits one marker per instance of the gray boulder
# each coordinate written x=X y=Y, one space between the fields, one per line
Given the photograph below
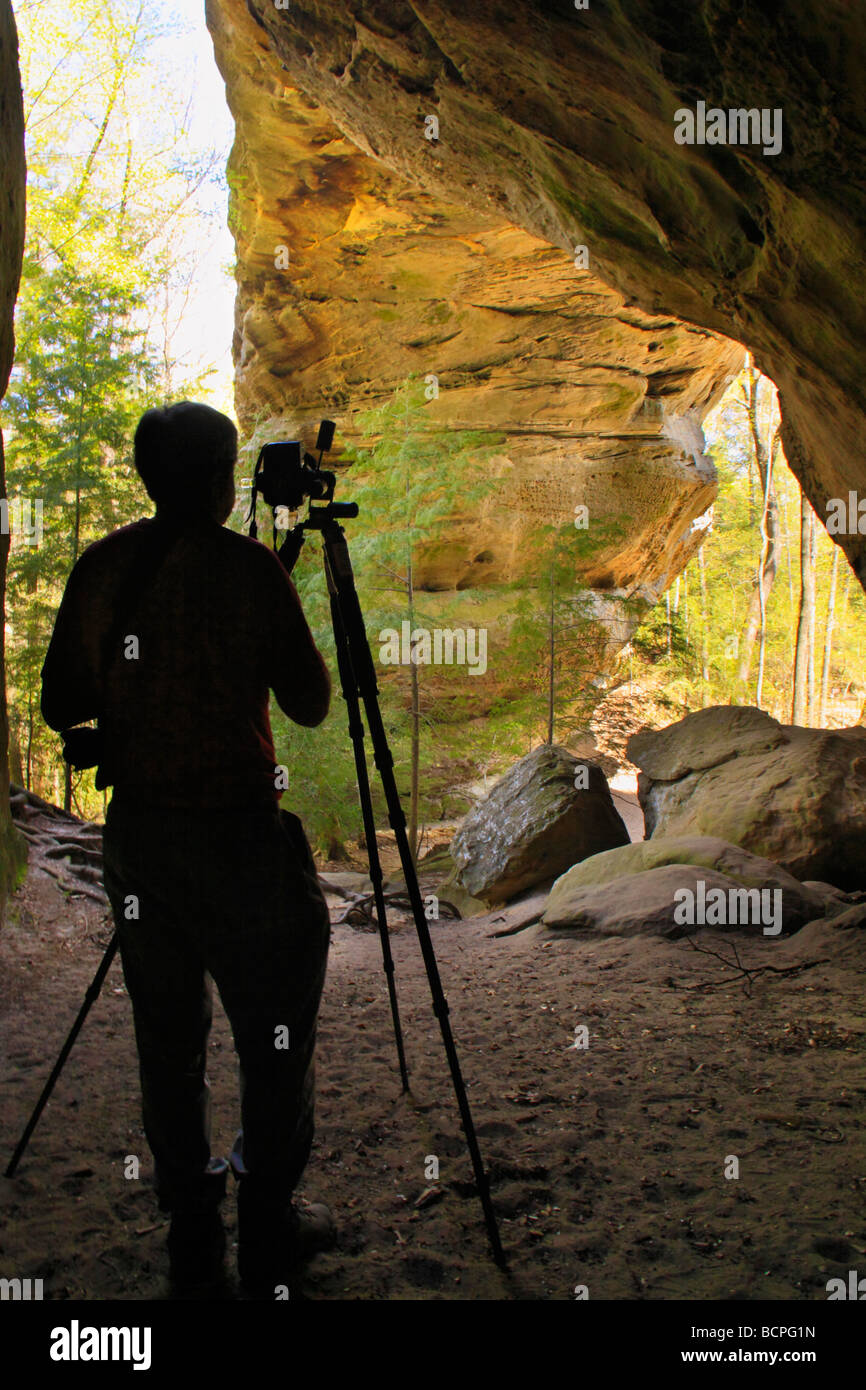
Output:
x=673 y=900
x=795 y=796
x=534 y=825
x=701 y=852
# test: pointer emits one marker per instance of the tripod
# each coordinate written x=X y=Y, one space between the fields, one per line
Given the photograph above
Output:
x=358 y=683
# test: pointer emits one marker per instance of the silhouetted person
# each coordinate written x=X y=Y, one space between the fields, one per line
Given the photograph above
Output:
x=207 y=877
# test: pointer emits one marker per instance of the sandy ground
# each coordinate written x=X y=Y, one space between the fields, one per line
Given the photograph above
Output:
x=607 y=1164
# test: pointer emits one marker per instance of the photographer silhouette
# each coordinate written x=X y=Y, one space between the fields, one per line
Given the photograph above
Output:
x=171 y=632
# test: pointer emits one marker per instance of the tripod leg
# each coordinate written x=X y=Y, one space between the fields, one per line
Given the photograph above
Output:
x=440 y=1003
x=341 y=580
x=90 y=997
x=356 y=733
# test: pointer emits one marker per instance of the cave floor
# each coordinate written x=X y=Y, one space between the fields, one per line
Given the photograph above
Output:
x=608 y=1164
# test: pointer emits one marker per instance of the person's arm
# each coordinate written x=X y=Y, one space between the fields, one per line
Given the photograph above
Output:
x=70 y=679
x=297 y=673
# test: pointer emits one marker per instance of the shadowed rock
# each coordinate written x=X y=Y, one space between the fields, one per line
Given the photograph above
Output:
x=535 y=824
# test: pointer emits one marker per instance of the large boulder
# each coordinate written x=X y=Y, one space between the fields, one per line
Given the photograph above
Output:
x=534 y=825
x=674 y=900
x=796 y=796
x=700 y=852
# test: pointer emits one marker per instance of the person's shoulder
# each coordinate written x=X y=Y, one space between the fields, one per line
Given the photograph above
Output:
x=240 y=544
x=114 y=548
x=251 y=554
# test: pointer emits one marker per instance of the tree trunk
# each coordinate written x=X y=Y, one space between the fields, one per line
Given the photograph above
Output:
x=551 y=661
x=76 y=530
x=16 y=762
x=764 y=456
x=29 y=780
x=705 y=637
x=686 y=607
x=813 y=609
x=769 y=561
x=828 y=639
x=786 y=543
x=799 y=704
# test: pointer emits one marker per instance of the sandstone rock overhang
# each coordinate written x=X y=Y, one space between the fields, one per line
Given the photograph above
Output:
x=555 y=128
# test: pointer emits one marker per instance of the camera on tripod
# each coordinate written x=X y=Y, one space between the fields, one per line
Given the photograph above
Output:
x=284 y=475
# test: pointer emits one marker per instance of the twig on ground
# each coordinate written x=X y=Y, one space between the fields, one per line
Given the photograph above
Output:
x=746 y=974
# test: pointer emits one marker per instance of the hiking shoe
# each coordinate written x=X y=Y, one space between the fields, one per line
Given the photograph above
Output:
x=274 y=1242
x=196 y=1249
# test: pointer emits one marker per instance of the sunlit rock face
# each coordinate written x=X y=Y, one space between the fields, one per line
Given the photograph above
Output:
x=356 y=270
x=795 y=796
x=556 y=128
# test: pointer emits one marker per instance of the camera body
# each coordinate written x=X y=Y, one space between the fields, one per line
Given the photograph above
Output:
x=285 y=475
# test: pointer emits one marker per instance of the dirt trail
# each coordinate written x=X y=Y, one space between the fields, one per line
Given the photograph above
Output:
x=607 y=1164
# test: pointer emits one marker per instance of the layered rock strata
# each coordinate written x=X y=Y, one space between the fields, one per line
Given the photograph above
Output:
x=354 y=273
x=556 y=128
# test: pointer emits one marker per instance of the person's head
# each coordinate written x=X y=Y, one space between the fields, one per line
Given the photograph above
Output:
x=185 y=455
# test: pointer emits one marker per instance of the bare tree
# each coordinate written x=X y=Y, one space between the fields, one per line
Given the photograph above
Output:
x=800 y=703
x=705 y=637
x=769 y=558
x=766 y=447
x=828 y=638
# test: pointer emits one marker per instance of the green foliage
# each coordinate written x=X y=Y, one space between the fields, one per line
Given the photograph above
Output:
x=238 y=184
x=412 y=481
x=117 y=179
x=559 y=638
x=113 y=238
x=75 y=396
x=415 y=482
x=81 y=375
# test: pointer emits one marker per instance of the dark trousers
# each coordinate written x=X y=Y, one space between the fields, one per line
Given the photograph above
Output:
x=201 y=896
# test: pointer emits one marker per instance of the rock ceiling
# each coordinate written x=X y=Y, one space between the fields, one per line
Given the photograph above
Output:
x=367 y=251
